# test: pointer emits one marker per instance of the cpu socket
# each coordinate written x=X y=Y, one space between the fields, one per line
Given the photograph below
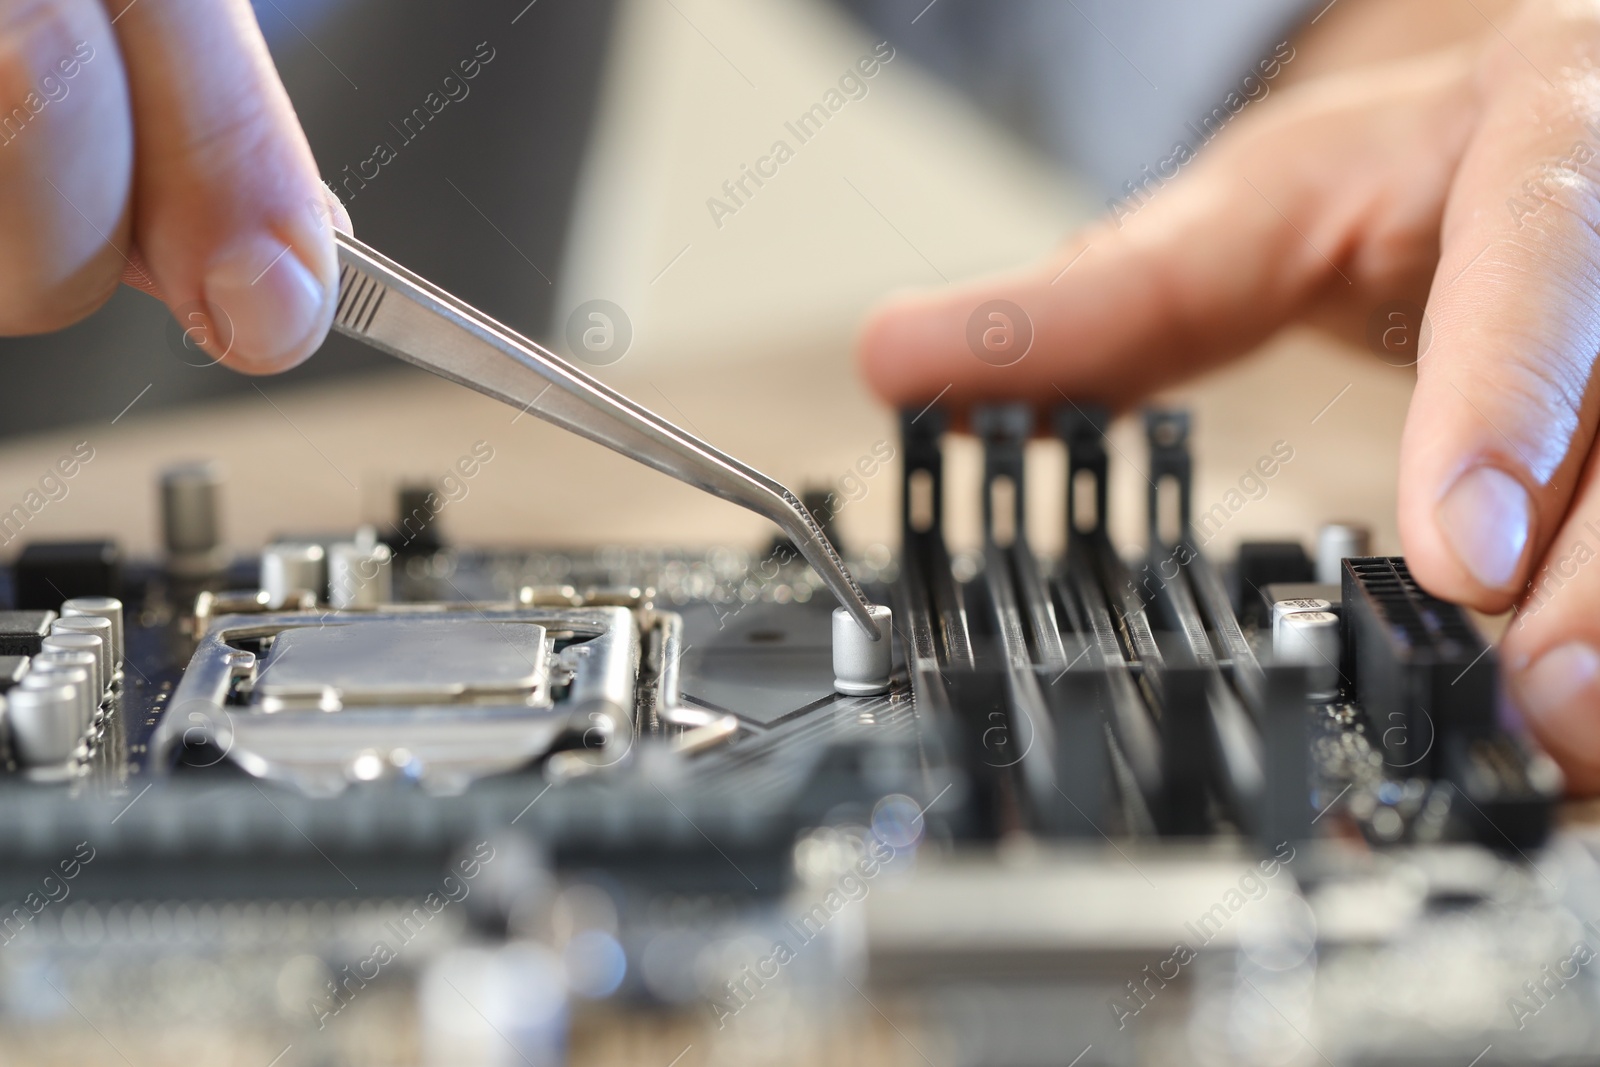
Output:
x=438 y=694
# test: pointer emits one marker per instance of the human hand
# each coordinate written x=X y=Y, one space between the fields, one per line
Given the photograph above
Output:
x=1466 y=178
x=151 y=142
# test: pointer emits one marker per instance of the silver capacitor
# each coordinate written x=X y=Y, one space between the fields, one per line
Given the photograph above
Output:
x=191 y=525
x=861 y=666
x=359 y=575
x=99 y=627
x=43 y=723
x=1290 y=607
x=290 y=567
x=1311 y=639
x=71 y=667
x=104 y=607
x=81 y=681
x=77 y=641
x=1336 y=542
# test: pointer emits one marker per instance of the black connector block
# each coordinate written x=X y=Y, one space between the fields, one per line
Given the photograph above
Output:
x=1512 y=791
x=1427 y=680
x=1264 y=563
x=49 y=572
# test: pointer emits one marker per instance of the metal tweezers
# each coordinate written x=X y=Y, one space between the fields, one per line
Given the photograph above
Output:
x=395 y=311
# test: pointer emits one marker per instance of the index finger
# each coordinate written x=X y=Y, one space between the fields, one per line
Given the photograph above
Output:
x=1307 y=205
x=1505 y=407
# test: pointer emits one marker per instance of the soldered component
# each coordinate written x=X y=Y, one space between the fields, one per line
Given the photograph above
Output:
x=359 y=575
x=77 y=641
x=47 y=572
x=77 y=668
x=190 y=525
x=861 y=666
x=1281 y=608
x=21 y=631
x=99 y=627
x=289 y=568
x=44 y=721
x=1336 y=542
x=1311 y=638
x=1418 y=665
x=105 y=607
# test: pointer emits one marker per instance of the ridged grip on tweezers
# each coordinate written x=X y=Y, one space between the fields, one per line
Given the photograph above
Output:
x=395 y=311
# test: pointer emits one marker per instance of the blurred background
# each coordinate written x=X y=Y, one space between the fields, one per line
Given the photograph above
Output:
x=582 y=164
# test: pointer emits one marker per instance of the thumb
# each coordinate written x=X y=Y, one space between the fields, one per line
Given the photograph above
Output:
x=136 y=273
x=1505 y=407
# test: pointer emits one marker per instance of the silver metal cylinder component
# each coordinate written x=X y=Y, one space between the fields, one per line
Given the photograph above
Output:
x=1290 y=607
x=44 y=722
x=289 y=567
x=359 y=575
x=1311 y=638
x=71 y=667
x=105 y=607
x=861 y=666
x=1336 y=542
x=70 y=641
x=99 y=627
x=191 y=526
x=80 y=678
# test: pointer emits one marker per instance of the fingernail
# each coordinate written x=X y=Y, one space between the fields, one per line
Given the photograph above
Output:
x=1548 y=688
x=270 y=301
x=1484 y=517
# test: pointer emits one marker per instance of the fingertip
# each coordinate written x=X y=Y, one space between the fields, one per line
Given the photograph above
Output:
x=272 y=292
x=1469 y=520
x=274 y=306
x=1558 y=693
x=893 y=347
x=1485 y=520
x=334 y=211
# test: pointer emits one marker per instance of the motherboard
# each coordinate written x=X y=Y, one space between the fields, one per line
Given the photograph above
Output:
x=375 y=797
